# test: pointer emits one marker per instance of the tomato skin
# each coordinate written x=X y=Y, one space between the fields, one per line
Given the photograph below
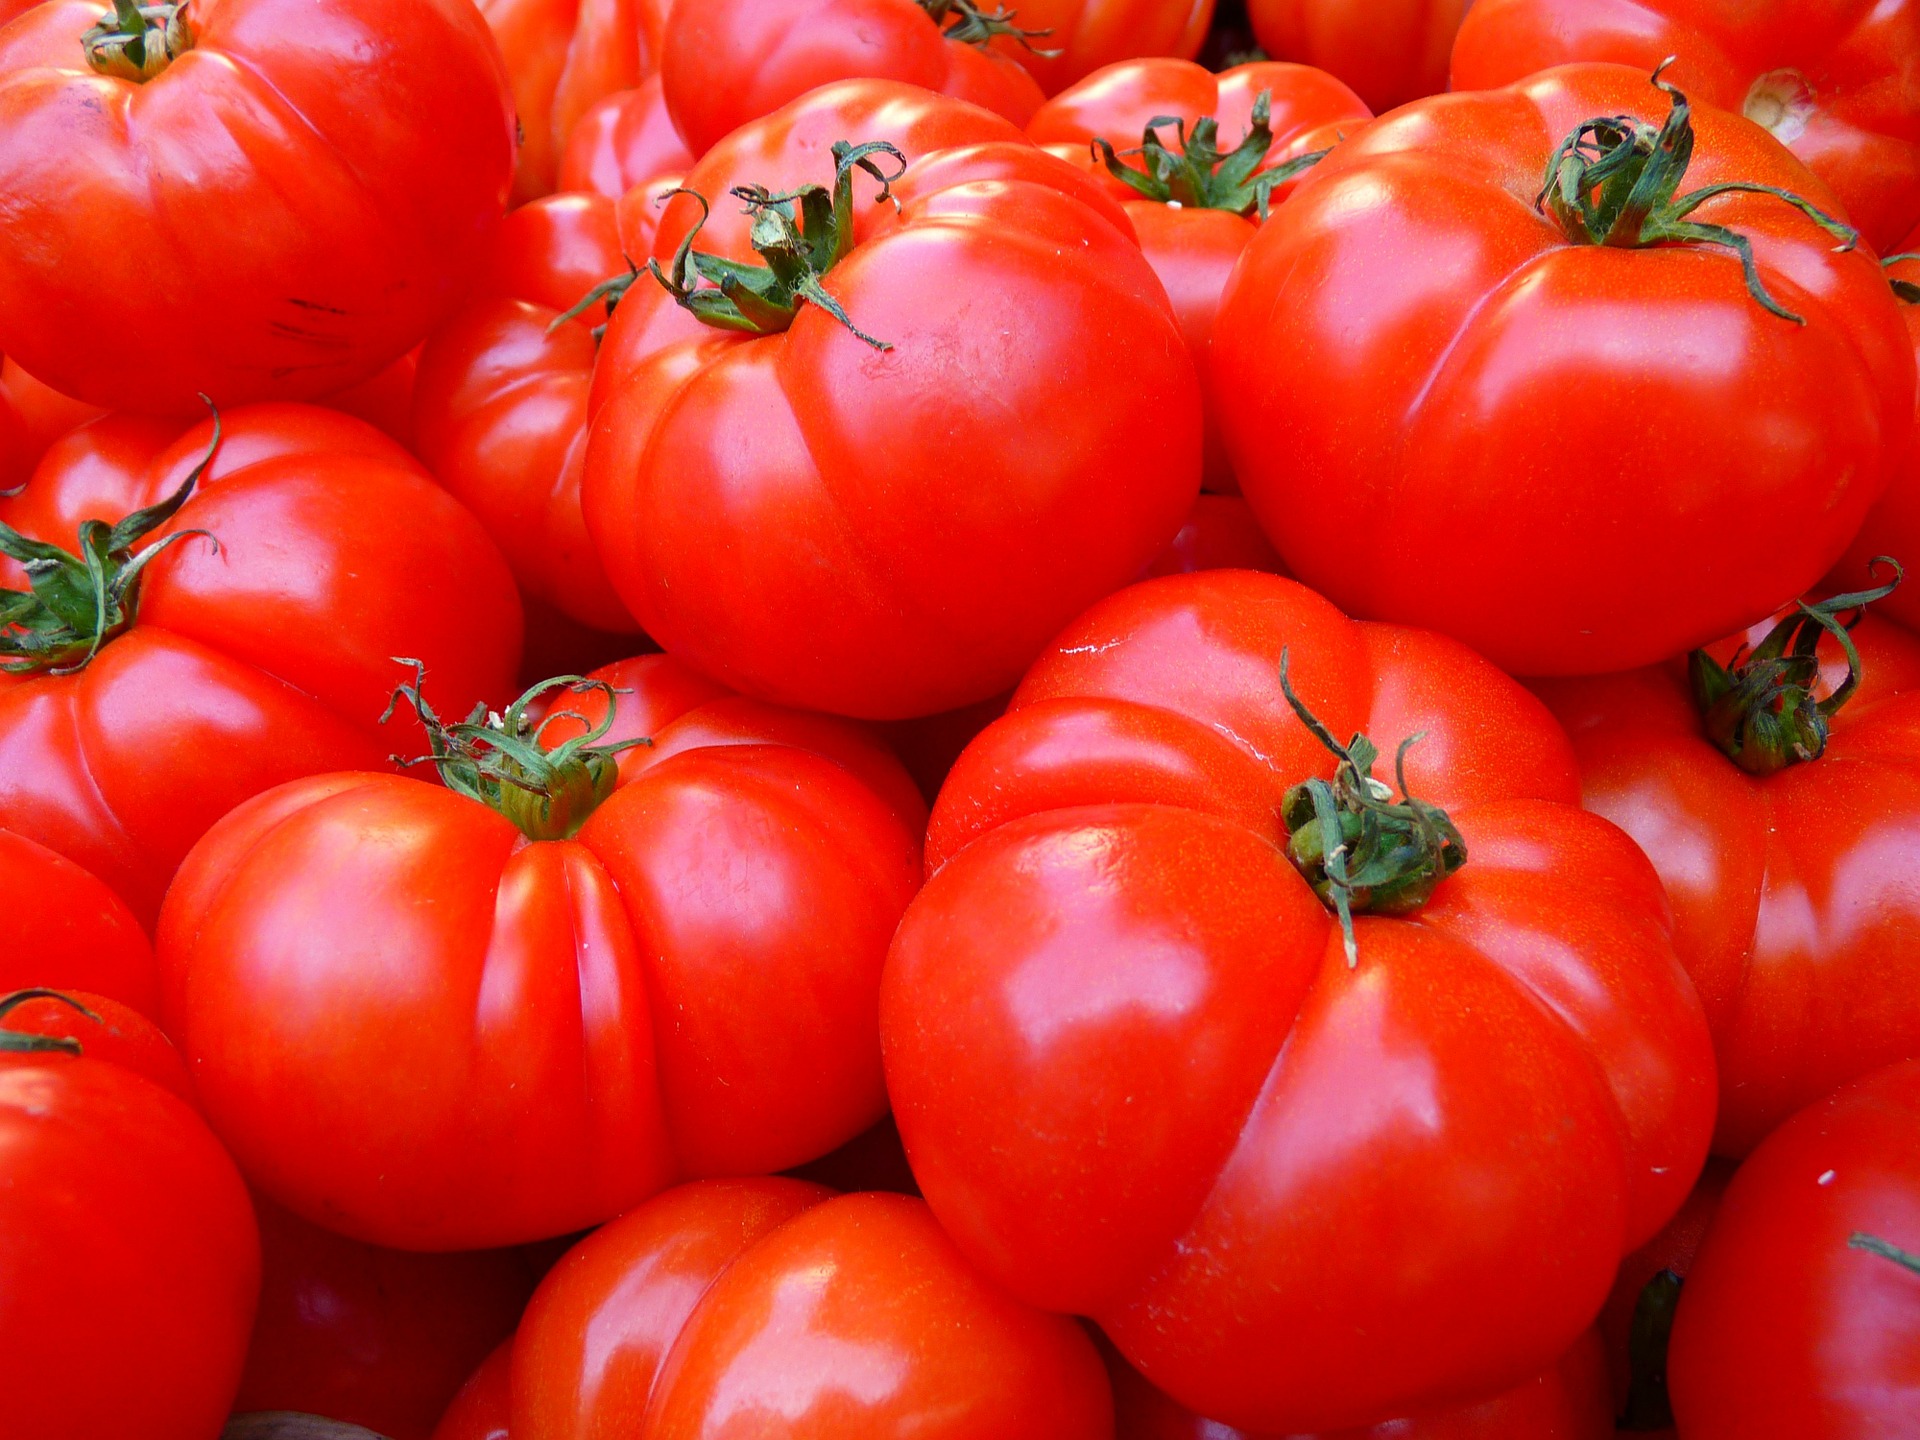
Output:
x=1784 y=1329
x=1107 y=906
x=384 y=400
x=1220 y=534
x=128 y=1279
x=1832 y=79
x=816 y=1315
x=1707 y=495
x=1389 y=52
x=480 y=1410
x=1090 y=34
x=114 y=1034
x=246 y=667
x=622 y=141
x=1803 y=933
x=32 y=417
x=368 y=187
x=62 y=928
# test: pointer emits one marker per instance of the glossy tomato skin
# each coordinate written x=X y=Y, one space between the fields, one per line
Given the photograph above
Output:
x=269 y=658
x=1785 y=1329
x=1831 y=79
x=514 y=1039
x=480 y=1410
x=32 y=417
x=1707 y=494
x=624 y=140
x=109 y=1033
x=1116 y=986
x=1389 y=51
x=839 y=567
x=131 y=1262
x=369 y=186
x=798 y=1315
x=1795 y=904
x=63 y=928
x=1221 y=533
x=1090 y=34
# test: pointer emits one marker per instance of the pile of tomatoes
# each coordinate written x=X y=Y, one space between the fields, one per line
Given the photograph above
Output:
x=806 y=719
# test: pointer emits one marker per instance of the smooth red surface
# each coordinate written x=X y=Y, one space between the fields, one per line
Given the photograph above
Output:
x=384 y=400
x=288 y=207
x=889 y=534
x=1221 y=533
x=1796 y=899
x=773 y=1308
x=488 y=1039
x=1785 y=1332
x=1138 y=1081
x=131 y=1263
x=480 y=1410
x=63 y=928
x=32 y=417
x=624 y=140
x=1575 y=458
x=112 y=1032
x=1089 y=34
x=266 y=659
x=1390 y=51
x=1836 y=81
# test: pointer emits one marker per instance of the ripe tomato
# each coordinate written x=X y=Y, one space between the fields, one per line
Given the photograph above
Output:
x=1592 y=500
x=1793 y=885
x=480 y=1410
x=1074 y=38
x=776 y=1309
x=1833 y=80
x=622 y=141
x=384 y=400
x=320 y=176
x=223 y=672
x=1389 y=52
x=838 y=564
x=1801 y=1317
x=1220 y=534
x=511 y=1028
x=32 y=417
x=1143 y=1075
x=1194 y=200
x=62 y=927
x=106 y=1031
x=131 y=1263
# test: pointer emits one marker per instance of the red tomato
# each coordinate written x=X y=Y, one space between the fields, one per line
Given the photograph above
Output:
x=319 y=176
x=1390 y=51
x=622 y=141
x=373 y=1337
x=775 y=1309
x=782 y=509
x=1554 y=487
x=62 y=927
x=729 y=62
x=511 y=1028
x=1141 y=1076
x=226 y=671
x=929 y=744
x=1220 y=534
x=32 y=417
x=1801 y=1317
x=1193 y=217
x=384 y=400
x=106 y=1031
x=562 y=56
x=131 y=1263
x=1795 y=904
x=1833 y=80
x=1074 y=38
x=479 y=1411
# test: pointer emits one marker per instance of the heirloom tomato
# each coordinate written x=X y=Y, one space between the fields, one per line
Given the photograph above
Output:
x=1801 y=1317
x=1835 y=81
x=623 y=141
x=1144 y=1075
x=63 y=927
x=507 y=1007
x=1772 y=784
x=1389 y=51
x=774 y=1308
x=981 y=417
x=1607 y=443
x=131 y=1262
x=279 y=196
x=226 y=623
x=480 y=1410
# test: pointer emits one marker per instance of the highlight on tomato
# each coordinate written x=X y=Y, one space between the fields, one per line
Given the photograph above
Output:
x=622 y=141
x=1241 y=1039
x=62 y=927
x=1557 y=488
x=1389 y=51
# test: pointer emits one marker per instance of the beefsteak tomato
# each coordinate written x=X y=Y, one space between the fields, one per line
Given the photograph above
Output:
x=623 y=141
x=61 y=926
x=1389 y=51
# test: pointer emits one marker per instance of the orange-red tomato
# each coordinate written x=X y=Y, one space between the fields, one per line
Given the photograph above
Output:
x=105 y=1030
x=622 y=141
x=1089 y=34
x=480 y=1410
x=1389 y=51
x=62 y=927
x=32 y=417
x=1220 y=534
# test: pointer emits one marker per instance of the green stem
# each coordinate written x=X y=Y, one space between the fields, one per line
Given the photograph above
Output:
x=1886 y=1250
x=13 y=1042
x=136 y=42
x=1648 y=1339
x=975 y=26
x=1193 y=172
x=1906 y=291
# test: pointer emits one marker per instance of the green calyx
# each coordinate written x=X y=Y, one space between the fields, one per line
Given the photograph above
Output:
x=1886 y=1250
x=974 y=26
x=502 y=761
x=1905 y=291
x=77 y=601
x=1648 y=1339
x=800 y=236
x=1360 y=850
x=1760 y=709
x=1192 y=172
x=1615 y=181
x=136 y=42
x=12 y=1042
x=608 y=292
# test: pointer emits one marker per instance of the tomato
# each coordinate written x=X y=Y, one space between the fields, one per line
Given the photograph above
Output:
x=774 y=1308
x=1555 y=488
x=1190 y=203
x=373 y=1337
x=106 y=1031
x=1801 y=1317
x=1074 y=38
x=1389 y=52
x=480 y=1410
x=128 y=1279
x=384 y=400
x=32 y=417
x=729 y=62
x=1220 y=534
x=780 y=509
x=512 y=1028
x=320 y=176
x=1795 y=904
x=223 y=672
x=624 y=140
x=1833 y=80
x=62 y=927
x=561 y=57
x=1143 y=1075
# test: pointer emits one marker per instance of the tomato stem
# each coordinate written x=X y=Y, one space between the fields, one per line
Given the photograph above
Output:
x=13 y=1042
x=1360 y=850
x=136 y=42
x=975 y=26
x=1885 y=1249
x=1648 y=1338
x=1194 y=173
x=1906 y=291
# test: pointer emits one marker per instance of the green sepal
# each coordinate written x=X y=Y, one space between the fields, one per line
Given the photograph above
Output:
x=1193 y=172
x=15 y=1043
